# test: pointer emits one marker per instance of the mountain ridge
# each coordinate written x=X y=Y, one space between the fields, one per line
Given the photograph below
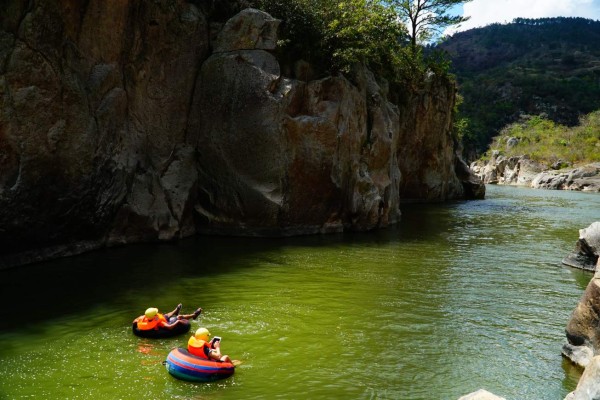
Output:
x=547 y=66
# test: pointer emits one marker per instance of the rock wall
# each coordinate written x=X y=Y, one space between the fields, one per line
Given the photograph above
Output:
x=126 y=121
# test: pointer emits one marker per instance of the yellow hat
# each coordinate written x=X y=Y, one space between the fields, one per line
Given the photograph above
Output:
x=202 y=334
x=151 y=312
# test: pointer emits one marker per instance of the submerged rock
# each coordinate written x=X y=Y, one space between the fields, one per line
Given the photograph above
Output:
x=481 y=394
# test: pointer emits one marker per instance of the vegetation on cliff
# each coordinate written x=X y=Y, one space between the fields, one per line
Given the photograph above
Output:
x=551 y=143
x=548 y=67
x=333 y=36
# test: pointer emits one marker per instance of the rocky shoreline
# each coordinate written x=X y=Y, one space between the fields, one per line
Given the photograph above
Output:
x=583 y=328
x=523 y=171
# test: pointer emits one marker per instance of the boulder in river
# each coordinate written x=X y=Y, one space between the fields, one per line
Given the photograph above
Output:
x=585 y=255
x=583 y=328
x=481 y=394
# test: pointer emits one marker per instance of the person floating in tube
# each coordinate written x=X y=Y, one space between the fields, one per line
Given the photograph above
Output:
x=199 y=345
x=153 y=319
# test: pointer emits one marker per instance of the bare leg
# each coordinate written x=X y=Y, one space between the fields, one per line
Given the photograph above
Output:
x=175 y=312
x=191 y=316
x=226 y=358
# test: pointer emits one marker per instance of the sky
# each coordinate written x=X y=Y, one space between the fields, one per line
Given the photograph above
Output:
x=485 y=12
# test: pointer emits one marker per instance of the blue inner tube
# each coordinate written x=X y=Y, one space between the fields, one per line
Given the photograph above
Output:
x=185 y=366
x=159 y=333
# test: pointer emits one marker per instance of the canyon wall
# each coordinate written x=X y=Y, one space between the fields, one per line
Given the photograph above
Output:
x=129 y=121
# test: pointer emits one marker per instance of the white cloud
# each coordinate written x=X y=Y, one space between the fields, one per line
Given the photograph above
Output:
x=485 y=12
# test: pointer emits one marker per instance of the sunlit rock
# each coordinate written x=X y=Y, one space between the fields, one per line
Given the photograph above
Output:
x=583 y=328
x=481 y=394
x=588 y=387
x=587 y=249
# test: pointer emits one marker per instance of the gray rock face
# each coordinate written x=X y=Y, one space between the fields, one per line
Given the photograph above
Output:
x=93 y=109
x=585 y=178
x=307 y=141
x=583 y=328
x=428 y=162
x=587 y=249
x=521 y=171
x=249 y=30
x=517 y=171
x=588 y=387
x=118 y=124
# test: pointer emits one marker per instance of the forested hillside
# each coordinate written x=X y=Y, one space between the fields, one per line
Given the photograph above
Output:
x=548 y=67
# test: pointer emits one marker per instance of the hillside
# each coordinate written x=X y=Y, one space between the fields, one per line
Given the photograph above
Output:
x=548 y=67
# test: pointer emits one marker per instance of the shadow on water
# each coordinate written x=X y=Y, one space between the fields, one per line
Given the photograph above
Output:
x=48 y=289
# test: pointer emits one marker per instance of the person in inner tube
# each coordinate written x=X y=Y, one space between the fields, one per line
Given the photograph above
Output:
x=168 y=321
x=200 y=346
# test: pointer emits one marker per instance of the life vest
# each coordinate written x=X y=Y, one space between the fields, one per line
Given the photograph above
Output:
x=145 y=324
x=199 y=348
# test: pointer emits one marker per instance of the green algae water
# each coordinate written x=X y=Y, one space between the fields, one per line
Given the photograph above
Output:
x=458 y=297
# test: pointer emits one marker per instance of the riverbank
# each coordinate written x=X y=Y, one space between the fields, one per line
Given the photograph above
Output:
x=523 y=171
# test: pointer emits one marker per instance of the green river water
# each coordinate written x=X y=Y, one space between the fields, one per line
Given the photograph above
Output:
x=457 y=297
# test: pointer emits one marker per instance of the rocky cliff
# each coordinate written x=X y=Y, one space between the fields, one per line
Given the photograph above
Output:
x=126 y=121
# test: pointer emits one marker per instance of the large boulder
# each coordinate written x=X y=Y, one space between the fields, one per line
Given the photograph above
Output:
x=587 y=249
x=585 y=178
x=583 y=328
x=516 y=171
x=279 y=156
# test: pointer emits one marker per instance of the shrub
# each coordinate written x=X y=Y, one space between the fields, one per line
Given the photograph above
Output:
x=543 y=140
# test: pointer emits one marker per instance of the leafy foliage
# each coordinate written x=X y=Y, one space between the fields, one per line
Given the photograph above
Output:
x=426 y=18
x=548 y=66
x=334 y=35
x=338 y=34
x=544 y=140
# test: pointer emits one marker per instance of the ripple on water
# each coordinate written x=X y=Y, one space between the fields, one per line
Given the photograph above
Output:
x=457 y=297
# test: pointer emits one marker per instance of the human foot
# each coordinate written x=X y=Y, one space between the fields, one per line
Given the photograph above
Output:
x=197 y=312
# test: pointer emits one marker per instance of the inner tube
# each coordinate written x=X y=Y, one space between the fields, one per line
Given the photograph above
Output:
x=162 y=332
x=185 y=366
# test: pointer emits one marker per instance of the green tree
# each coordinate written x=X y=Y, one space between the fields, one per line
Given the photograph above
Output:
x=363 y=31
x=339 y=33
x=426 y=18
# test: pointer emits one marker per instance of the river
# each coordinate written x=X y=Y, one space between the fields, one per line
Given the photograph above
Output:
x=457 y=297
